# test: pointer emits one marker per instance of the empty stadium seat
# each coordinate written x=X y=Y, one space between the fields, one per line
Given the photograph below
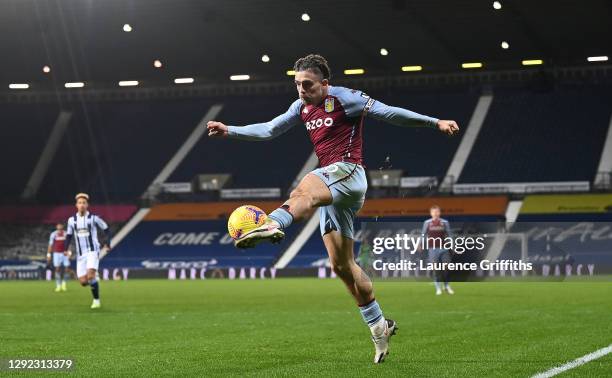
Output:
x=272 y=163
x=537 y=137
x=114 y=150
x=417 y=151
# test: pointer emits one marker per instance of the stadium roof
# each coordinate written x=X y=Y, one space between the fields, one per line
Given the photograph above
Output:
x=84 y=40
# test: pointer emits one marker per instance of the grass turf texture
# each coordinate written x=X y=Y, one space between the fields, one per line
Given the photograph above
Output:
x=307 y=327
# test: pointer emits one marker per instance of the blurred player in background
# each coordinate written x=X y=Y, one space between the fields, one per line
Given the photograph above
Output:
x=83 y=226
x=364 y=257
x=60 y=255
x=333 y=117
x=438 y=228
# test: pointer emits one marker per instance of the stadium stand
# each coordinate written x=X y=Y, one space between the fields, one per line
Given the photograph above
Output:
x=417 y=151
x=26 y=128
x=24 y=230
x=93 y=149
x=92 y=157
x=29 y=241
x=412 y=154
x=24 y=242
x=551 y=126
x=113 y=150
x=560 y=134
x=281 y=158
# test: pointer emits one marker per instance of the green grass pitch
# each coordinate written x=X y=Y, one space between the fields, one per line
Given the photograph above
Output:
x=307 y=327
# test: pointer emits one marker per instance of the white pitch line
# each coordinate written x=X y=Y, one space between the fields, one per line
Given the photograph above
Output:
x=577 y=362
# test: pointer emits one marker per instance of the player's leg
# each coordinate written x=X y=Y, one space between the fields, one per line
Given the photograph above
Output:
x=58 y=281
x=337 y=228
x=342 y=261
x=81 y=270
x=359 y=285
x=336 y=183
x=303 y=200
x=65 y=267
x=446 y=257
x=56 y=270
x=95 y=287
x=310 y=193
x=92 y=268
x=434 y=258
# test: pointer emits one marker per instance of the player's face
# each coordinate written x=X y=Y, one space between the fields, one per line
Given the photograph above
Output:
x=59 y=226
x=310 y=87
x=82 y=205
x=435 y=213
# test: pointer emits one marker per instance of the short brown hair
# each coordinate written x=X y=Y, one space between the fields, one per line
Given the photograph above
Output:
x=434 y=207
x=315 y=63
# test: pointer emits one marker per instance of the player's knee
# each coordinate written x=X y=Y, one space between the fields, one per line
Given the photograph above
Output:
x=303 y=195
x=341 y=269
x=83 y=281
x=297 y=192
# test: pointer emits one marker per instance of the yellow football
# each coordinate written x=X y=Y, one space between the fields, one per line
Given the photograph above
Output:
x=244 y=219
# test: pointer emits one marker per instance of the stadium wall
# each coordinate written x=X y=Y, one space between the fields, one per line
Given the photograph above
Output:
x=55 y=214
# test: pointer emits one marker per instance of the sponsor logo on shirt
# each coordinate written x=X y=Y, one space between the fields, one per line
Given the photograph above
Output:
x=316 y=123
x=83 y=232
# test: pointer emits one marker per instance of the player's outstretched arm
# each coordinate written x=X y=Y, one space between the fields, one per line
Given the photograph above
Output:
x=254 y=132
x=404 y=117
x=216 y=129
x=258 y=131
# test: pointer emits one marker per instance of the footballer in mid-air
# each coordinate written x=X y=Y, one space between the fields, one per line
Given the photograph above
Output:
x=334 y=119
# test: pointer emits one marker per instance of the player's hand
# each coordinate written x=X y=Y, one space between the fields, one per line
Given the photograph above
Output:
x=448 y=127
x=216 y=129
x=107 y=247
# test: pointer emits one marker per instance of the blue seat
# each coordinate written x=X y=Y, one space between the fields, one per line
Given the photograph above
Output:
x=538 y=137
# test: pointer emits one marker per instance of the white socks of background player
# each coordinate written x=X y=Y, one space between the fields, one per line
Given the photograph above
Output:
x=438 y=285
x=372 y=315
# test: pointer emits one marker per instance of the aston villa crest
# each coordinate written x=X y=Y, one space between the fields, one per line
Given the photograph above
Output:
x=329 y=104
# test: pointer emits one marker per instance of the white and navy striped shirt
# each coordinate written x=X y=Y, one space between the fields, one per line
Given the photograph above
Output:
x=84 y=229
